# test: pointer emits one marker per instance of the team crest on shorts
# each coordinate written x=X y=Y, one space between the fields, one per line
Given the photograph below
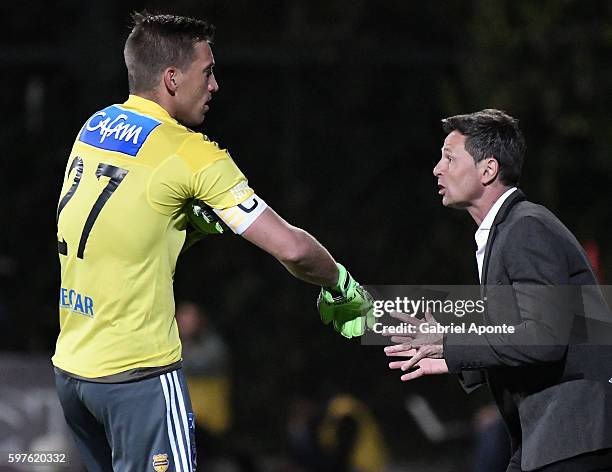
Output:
x=160 y=462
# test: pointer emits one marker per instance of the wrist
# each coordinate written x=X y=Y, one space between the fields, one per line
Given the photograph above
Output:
x=340 y=281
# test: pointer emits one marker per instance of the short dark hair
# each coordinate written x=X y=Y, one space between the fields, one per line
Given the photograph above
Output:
x=160 y=41
x=492 y=133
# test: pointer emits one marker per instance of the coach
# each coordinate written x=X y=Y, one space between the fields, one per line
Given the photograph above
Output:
x=550 y=378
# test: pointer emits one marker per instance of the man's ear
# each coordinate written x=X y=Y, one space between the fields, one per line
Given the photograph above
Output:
x=490 y=170
x=171 y=80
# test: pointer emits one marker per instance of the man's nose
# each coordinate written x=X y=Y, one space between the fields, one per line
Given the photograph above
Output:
x=437 y=170
x=213 y=85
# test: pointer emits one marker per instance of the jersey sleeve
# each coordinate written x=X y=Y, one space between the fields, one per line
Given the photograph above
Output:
x=199 y=169
x=215 y=178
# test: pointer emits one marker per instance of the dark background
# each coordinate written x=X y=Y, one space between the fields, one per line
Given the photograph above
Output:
x=332 y=110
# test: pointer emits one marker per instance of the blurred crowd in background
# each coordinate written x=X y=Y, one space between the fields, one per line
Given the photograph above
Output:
x=332 y=110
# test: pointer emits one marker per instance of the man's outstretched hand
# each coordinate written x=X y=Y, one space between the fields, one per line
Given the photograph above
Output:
x=415 y=369
x=423 y=349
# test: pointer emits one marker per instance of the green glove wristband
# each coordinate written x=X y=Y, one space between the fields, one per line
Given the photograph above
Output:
x=343 y=278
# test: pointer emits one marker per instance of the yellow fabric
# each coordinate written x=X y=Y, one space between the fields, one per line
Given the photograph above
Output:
x=117 y=300
x=369 y=452
x=210 y=400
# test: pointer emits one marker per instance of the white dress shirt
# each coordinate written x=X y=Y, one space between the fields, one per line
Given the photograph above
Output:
x=482 y=233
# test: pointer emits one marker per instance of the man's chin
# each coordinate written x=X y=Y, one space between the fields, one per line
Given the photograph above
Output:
x=449 y=203
x=455 y=205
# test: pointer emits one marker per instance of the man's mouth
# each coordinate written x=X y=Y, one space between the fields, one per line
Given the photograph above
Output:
x=441 y=189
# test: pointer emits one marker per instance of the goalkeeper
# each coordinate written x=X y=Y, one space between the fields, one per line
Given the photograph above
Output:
x=134 y=169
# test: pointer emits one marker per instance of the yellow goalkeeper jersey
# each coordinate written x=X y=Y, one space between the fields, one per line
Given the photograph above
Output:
x=120 y=229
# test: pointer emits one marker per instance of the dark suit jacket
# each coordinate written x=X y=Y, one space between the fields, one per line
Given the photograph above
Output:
x=552 y=377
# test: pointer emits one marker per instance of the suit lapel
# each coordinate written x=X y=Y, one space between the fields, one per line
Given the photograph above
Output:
x=513 y=199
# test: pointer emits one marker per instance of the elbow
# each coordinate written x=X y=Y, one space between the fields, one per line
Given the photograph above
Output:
x=294 y=255
x=545 y=354
x=553 y=353
x=295 y=251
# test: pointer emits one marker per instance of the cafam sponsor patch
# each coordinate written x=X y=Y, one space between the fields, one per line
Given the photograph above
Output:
x=117 y=129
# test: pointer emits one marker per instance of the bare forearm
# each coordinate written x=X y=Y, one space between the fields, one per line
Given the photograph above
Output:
x=312 y=262
x=301 y=254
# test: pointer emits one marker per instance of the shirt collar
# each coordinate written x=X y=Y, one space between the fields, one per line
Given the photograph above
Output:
x=486 y=224
x=146 y=107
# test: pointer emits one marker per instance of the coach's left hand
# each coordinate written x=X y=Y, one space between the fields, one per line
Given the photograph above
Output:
x=426 y=342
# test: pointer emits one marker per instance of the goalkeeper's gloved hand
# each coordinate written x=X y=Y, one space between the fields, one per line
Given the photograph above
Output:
x=203 y=219
x=347 y=305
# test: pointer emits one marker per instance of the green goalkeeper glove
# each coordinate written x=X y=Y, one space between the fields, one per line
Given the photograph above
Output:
x=203 y=219
x=348 y=305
